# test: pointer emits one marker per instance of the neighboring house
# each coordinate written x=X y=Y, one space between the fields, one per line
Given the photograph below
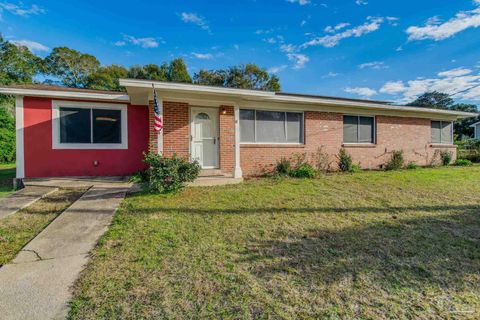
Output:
x=75 y=132
x=476 y=130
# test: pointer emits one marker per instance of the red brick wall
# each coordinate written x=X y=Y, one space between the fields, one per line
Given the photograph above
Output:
x=152 y=135
x=325 y=130
x=176 y=130
x=227 y=139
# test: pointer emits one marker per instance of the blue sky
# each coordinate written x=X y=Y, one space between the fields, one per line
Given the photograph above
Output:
x=376 y=49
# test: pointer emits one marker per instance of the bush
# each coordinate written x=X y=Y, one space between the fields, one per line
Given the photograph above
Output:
x=396 y=162
x=355 y=168
x=344 y=161
x=169 y=174
x=412 y=166
x=283 y=167
x=446 y=157
x=303 y=171
x=7 y=136
x=321 y=160
x=463 y=163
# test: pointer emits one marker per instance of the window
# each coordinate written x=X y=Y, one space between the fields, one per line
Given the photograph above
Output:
x=358 y=129
x=442 y=132
x=82 y=125
x=260 y=126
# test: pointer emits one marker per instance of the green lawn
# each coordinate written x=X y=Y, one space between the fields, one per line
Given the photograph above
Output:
x=7 y=173
x=18 y=229
x=372 y=245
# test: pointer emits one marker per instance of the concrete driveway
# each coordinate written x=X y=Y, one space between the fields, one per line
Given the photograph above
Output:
x=37 y=284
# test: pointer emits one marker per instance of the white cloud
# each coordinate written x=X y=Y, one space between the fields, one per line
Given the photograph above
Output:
x=277 y=69
x=32 y=45
x=195 y=19
x=288 y=48
x=376 y=65
x=236 y=46
x=451 y=81
x=372 y=24
x=361 y=91
x=339 y=26
x=147 y=42
x=20 y=9
x=300 y=2
x=393 y=87
x=202 y=56
x=298 y=59
x=330 y=75
x=361 y=2
x=458 y=72
x=435 y=30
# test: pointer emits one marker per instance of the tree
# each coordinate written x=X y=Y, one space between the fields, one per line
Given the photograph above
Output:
x=17 y=64
x=177 y=71
x=249 y=76
x=149 y=72
x=106 y=78
x=7 y=136
x=434 y=100
x=462 y=127
x=72 y=67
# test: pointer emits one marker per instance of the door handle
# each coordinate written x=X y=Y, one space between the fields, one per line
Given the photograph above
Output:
x=214 y=140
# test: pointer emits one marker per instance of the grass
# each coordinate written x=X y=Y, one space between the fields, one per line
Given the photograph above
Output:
x=372 y=245
x=7 y=173
x=18 y=229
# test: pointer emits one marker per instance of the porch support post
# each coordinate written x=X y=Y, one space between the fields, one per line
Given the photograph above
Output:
x=19 y=124
x=238 y=169
x=160 y=133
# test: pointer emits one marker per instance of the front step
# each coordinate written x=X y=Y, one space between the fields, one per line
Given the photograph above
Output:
x=213 y=173
x=214 y=181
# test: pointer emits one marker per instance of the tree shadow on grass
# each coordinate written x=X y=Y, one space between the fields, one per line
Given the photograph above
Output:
x=442 y=250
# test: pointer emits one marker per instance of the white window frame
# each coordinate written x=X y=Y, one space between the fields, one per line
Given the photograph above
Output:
x=358 y=129
x=284 y=123
x=441 y=132
x=56 y=144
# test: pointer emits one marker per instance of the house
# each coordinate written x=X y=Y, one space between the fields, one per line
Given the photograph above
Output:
x=476 y=130
x=235 y=132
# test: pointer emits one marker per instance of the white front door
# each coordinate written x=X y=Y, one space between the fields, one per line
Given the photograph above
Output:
x=204 y=130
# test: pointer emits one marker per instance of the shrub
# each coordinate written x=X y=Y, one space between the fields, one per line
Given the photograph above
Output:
x=166 y=174
x=303 y=171
x=321 y=160
x=446 y=157
x=355 y=168
x=283 y=166
x=463 y=163
x=344 y=160
x=412 y=166
x=396 y=162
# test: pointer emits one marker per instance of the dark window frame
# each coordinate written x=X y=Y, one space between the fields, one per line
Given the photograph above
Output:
x=442 y=141
x=373 y=134
x=285 y=124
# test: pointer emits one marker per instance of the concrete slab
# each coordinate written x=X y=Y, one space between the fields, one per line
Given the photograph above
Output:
x=23 y=198
x=214 y=181
x=36 y=285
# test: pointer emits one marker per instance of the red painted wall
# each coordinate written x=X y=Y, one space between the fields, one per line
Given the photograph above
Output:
x=42 y=161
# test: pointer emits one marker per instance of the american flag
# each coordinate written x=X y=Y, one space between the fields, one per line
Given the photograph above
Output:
x=158 y=126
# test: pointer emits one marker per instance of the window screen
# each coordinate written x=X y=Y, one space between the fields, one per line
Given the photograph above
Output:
x=247 y=125
x=107 y=126
x=442 y=132
x=75 y=125
x=258 y=126
x=357 y=129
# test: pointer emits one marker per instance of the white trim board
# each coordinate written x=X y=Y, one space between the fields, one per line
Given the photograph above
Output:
x=56 y=144
x=121 y=97
x=19 y=138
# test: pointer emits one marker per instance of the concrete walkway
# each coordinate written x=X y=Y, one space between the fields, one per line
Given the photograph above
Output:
x=37 y=284
x=23 y=198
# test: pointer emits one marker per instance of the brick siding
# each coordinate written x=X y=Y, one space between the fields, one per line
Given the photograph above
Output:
x=227 y=139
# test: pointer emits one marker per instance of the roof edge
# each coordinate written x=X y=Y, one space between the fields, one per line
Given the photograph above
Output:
x=121 y=97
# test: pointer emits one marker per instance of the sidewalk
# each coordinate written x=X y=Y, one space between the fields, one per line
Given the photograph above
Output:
x=37 y=284
x=23 y=198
